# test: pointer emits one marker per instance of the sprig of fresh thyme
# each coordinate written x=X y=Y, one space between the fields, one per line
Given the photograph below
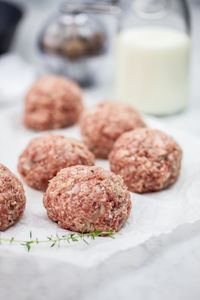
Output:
x=56 y=240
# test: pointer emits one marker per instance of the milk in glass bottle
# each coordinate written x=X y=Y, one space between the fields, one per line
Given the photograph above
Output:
x=152 y=54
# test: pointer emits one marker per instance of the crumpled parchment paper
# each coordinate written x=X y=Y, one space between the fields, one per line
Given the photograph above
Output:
x=152 y=214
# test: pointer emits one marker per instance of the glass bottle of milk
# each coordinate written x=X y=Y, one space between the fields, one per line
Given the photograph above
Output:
x=152 y=56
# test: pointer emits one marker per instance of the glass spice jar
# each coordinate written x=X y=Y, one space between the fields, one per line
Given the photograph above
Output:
x=76 y=41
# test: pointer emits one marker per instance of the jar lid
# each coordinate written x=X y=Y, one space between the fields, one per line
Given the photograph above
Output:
x=89 y=7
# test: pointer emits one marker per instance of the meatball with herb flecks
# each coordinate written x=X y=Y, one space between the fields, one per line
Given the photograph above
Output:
x=85 y=199
x=52 y=102
x=102 y=125
x=45 y=156
x=12 y=198
x=147 y=159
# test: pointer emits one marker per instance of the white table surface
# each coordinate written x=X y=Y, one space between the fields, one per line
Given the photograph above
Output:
x=164 y=268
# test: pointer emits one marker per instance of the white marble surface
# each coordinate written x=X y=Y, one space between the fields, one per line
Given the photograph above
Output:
x=164 y=268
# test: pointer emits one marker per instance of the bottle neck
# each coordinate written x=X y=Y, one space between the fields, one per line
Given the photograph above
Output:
x=152 y=9
x=169 y=13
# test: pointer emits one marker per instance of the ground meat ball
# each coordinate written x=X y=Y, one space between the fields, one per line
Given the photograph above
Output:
x=147 y=159
x=45 y=156
x=102 y=125
x=85 y=199
x=52 y=102
x=12 y=198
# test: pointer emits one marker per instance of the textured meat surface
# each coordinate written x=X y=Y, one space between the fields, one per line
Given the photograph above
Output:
x=84 y=199
x=52 y=102
x=101 y=126
x=12 y=198
x=147 y=159
x=46 y=155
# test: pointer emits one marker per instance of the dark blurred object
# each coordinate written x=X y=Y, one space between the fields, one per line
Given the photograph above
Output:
x=10 y=15
x=75 y=41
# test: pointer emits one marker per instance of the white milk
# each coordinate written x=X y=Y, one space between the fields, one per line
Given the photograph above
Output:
x=152 y=69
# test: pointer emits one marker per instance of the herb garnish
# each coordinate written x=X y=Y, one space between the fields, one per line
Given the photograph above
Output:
x=56 y=240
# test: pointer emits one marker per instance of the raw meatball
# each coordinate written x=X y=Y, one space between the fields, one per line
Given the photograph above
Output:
x=45 y=156
x=86 y=199
x=101 y=126
x=52 y=102
x=147 y=159
x=12 y=198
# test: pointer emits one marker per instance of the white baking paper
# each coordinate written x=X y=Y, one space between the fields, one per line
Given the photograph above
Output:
x=152 y=214
x=16 y=75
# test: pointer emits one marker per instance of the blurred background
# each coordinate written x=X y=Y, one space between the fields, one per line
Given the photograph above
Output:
x=22 y=55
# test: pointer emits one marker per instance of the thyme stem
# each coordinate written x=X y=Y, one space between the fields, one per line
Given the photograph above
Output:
x=57 y=239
